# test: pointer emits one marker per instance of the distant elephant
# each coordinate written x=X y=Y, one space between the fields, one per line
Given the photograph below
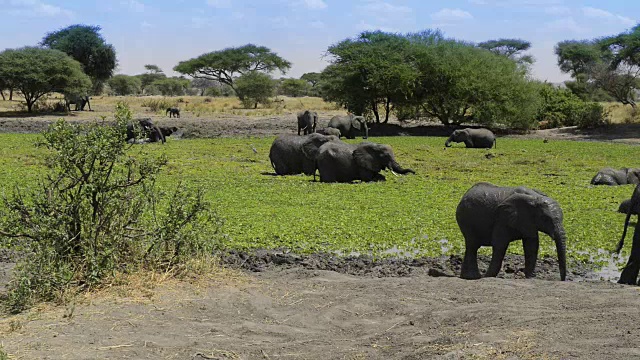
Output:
x=288 y=156
x=173 y=112
x=473 y=138
x=148 y=130
x=329 y=131
x=167 y=131
x=630 y=272
x=350 y=126
x=626 y=204
x=489 y=215
x=307 y=121
x=342 y=162
x=79 y=101
x=612 y=177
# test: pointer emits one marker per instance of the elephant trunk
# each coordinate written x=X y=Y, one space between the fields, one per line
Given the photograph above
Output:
x=560 y=237
x=448 y=142
x=395 y=167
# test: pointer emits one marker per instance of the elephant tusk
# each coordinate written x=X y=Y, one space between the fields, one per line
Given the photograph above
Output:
x=394 y=173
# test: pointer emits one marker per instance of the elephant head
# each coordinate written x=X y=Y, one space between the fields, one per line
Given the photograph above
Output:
x=529 y=214
x=633 y=176
x=372 y=158
x=457 y=136
x=360 y=123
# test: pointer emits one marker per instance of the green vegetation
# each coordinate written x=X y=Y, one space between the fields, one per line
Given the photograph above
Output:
x=408 y=213
x=561 y=107
x=95 y=212
x=125 y=85
x=255 y=88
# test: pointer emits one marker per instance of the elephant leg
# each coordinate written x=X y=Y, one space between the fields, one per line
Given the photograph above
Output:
x=470 y=269
x=629 y=275
x=530 y=246
x=499 y=251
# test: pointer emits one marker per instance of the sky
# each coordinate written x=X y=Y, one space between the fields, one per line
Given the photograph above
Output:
x=164 y=32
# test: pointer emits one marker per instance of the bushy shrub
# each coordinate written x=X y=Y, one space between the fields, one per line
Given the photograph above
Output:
x=97 y=212
x=561 y=107
x=254 y=88
x=157 y=104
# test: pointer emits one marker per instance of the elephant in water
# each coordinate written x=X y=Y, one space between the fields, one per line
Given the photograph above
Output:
x=173 y=112
x=612 y=177
x=473 y=138
x=329 y=131
x=630 y=272
x=148 y=130
x=350 y=126
x=490 y=215
x=342 y=162
x=292 y=154
x=307 y=121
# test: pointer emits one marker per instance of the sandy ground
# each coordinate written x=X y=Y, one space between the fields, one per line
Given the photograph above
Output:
x=283 y=306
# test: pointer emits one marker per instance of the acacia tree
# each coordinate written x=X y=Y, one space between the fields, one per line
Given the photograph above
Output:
x=125 y=85
x=36 y=72
x=255 y=87
x=225 y=65
x=511 y=48
x=154 y=73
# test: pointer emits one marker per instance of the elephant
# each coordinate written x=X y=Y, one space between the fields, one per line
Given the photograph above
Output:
x=473 y=138
x=490 y=215
x=612 y=177
x=350 y=125
x=342 y=162
x=147 y=129
x=626 y=205
x=330 y=131
x=307 y=121
x=629 y=275
x=173 y=112
x=79 y=101
x=288 y=156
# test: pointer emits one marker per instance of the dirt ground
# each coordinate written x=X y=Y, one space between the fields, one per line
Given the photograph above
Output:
x=275 y=305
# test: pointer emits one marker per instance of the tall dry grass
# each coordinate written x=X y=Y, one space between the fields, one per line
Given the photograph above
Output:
x=622 y=114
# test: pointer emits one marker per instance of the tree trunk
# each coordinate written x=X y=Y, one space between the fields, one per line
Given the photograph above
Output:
x=374 y=107
x=386 y=109
x=10 y=94
x=29 y=105
x=2 y=93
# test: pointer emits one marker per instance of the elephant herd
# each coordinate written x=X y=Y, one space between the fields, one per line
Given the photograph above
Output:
x=487 y=215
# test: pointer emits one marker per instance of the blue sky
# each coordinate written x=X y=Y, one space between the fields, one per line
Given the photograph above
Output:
x=166 y=32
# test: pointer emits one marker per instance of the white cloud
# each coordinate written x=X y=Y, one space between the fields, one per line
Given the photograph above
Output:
x=315 y=4
x=220 y=4
x=364 y=26
x=133 y=5
x=381 y=7
x=592 y=12
x=36 y=8
x=516 y=3
x=447 y=14
x=382 y=15
x=557 y=10
x=564 y=24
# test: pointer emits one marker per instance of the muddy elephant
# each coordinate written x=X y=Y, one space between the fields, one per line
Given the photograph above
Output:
x=288 y=157
x=329 y=131
x=612 y=177
x=630 y=272
x=307 y=121
x=173 y=112
x=148 y=131
x=350 y=126
x=342 y=162
x=473 y=138
x=490 y=215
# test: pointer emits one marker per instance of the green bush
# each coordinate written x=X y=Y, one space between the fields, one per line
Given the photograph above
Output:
x=98 y=212
x=561 y=107
x=255 y=88
x=156 y=105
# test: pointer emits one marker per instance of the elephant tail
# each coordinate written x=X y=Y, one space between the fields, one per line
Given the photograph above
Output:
x=635 y=198
x=495 y=143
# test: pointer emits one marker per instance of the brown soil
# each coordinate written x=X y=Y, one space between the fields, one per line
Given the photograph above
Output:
x=286 y=306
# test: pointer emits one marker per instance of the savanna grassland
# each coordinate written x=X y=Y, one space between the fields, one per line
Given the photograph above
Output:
x=406 y=215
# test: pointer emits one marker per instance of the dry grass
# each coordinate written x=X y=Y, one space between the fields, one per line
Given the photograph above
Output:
x=622 y=114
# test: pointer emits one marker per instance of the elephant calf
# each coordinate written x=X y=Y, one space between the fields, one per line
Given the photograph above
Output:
x=292 y=154
x=612 y=177
x=330 y=131
x=490 y=215
x=307 y=121
x=173 y=112
x=342 y=162
x=473 y=138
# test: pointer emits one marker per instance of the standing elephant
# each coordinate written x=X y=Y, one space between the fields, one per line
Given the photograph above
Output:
x=342 y=162
x=473 y=138
x=288 y=156
x=625 y=206
x=489 y=215
x=173 y=112
x=612 y=177
x=307 y=121
x=79 y=101
x=629 y=275
x=350 y=126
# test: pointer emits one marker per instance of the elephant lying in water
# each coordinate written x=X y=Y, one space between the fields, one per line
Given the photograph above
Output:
x=612 y=177
x=473 y=138
x=489 y=215
x=148 y=130
x=292 y=154
x=329 y=131
x=342 y=162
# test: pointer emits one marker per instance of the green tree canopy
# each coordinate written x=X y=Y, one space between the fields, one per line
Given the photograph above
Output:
x=153 y=74
x=85 y=44
x=294 y=87
x=224 y=65
x=576 y=56
x=125 y=85
x=312 y=78
x=172 y=86
x=512 y=48
x=255 y=88
x=36 y=72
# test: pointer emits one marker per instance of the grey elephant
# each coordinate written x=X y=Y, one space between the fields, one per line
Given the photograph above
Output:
x=288 y=156
x=625 y=206
x=307 y=121
x=490 y=215
x=342 y=162
x=173 y=112
x=79 y=101
x=330 y=131
x=630 y=272
x=473 y=138
x=147 y=130
x=612 y=177
x=350 y=126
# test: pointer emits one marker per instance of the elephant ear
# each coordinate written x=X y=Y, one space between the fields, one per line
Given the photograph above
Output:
x=518 y=211
x=311 y=145
x=356 y=123
x=368 y=156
